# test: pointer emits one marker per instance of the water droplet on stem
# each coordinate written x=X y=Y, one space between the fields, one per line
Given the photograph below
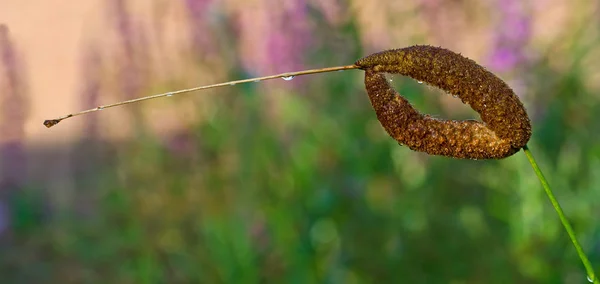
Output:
x=287 y=78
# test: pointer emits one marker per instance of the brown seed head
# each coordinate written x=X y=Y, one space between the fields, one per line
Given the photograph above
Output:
x=505 y=129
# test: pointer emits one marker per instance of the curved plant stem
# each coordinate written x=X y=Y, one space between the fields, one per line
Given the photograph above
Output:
x=561 y=216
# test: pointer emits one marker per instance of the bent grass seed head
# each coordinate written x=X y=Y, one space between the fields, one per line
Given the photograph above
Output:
x=504 y=130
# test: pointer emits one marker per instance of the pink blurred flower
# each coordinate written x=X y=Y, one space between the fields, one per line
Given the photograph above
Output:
x=197 y=13
x=14 y=111
x=90 y=70
x=132 y=41
x=513 y=34
x=274 y=36
x=15 y=108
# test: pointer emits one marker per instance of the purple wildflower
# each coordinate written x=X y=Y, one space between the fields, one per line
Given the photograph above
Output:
x=129 y=36
x=274 y=36
x=14 y=110
x=181 y=143
x=288 y=39
x=91 y=68
x=514 y=33
x=197 y=12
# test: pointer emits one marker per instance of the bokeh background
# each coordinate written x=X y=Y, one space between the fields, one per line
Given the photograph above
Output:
x=285 y=181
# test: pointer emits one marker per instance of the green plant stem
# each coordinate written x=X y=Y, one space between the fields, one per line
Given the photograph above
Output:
x=561 y=215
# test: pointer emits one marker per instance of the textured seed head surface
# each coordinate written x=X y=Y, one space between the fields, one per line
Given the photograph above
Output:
x=505 y=129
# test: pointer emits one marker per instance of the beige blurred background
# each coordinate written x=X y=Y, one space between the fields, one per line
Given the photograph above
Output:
x=51 y=36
